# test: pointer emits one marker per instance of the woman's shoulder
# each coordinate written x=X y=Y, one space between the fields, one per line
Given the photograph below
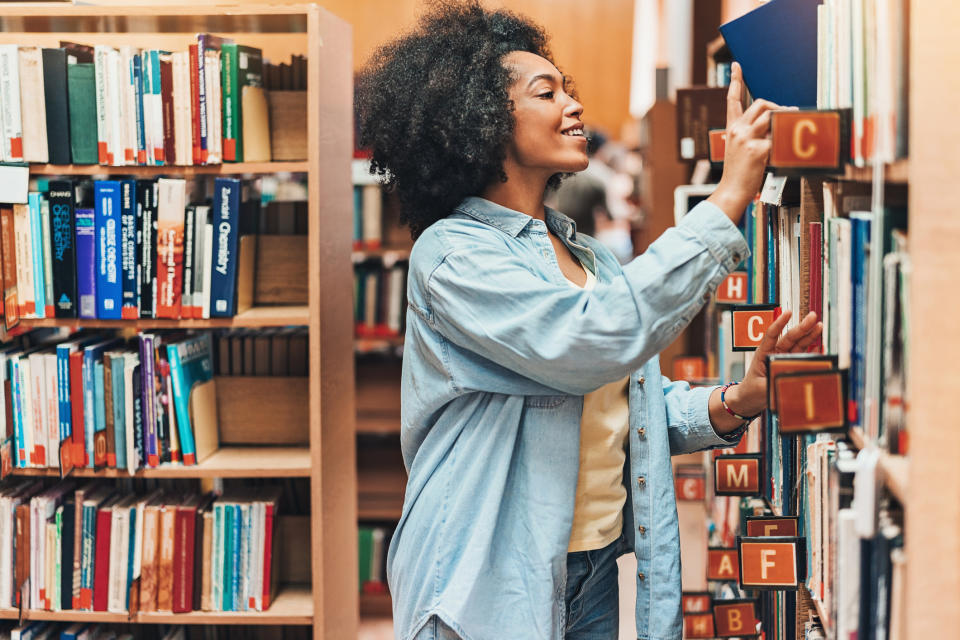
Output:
x=455 y=233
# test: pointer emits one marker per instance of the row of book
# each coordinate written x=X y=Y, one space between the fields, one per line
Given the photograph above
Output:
x=127 y=249
x=88 y=547
x=97 y=400
x=367 y=216
x=263 y=352
x=862 y=66
x=380 y=298
x=373 y=544
x=123 y=106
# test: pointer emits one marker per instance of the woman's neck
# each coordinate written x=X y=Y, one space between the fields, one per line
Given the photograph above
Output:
x=521 y=192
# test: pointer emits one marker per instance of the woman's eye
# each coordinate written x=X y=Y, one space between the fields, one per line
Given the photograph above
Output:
x=546 y=96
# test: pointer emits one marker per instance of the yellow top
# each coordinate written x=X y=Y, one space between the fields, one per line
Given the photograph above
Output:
x=604 y=424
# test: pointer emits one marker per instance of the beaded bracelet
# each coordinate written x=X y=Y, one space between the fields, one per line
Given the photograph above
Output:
x=723 y=401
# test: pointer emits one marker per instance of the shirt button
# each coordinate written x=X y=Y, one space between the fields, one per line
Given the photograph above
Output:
x=706 y=297
x=641 y=380
x=642 y=432
x=641 y=576
x=643 y=530
x=642 y=482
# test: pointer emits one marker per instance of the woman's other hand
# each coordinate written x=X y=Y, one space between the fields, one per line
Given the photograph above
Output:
x=747 y=149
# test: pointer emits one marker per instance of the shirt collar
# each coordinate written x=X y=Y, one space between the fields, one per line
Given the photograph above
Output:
x=513 y=222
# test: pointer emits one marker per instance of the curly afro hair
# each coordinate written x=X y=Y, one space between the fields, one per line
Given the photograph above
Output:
x=433 y=106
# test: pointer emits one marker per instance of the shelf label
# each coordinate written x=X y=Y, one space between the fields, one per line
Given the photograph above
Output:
x=750 y=322
x=806 y=140
x=781 y=363
x=690 y=483
x=737 y=475
x=772 y=563
x=733 y=289
x=735 y=618
x=722 y=564
x=696 y=601
x=698 y=625
x=811 y=401
x=759 y=526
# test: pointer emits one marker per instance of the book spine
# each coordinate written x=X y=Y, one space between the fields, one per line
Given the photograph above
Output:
x=24 y=258
x=137 y=399
x=148 y=565
x=63 y=249
x=170 y=215
x=165 y=102
x=36 y=243
x=149 y=398
x=48 y=310
x=104 y=155
x=11 y=313
x=113 y=586
x=267 y=555
x=35 y=393
x=136 y=69
x=231 y=103
x=63 y=392
x=76 y=409
x=88 y=552
x=207 y=267
x=200 y=70
x=183 y=560
x=10 y=97
x=55 y=94
x=165 y=564
x=146 y=244
x=861 y=251
x=226 y=213
x=186 y=301
x=199 y=256
x=86 y=240
x=196 y=120
x=230 y=550
x=101 y=560
x=50 y=381
x=22 y=569
x=101 y=449
x=117 y=365
x=130 y=307
x=109 y=288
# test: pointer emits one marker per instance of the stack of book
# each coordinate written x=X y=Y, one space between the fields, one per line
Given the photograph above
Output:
x=268 y=352
x=128 y=106
x=373 y=544
x=128 y=249
x=98 y=401
x=88 y=547
x=380 y=298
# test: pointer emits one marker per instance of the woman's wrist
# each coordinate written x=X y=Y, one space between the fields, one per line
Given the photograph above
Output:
x=746 y=399
x=731 y=201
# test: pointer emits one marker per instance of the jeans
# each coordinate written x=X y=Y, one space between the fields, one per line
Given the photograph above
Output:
x=592 y=598
x=593 y=594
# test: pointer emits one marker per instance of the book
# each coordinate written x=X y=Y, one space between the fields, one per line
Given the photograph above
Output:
x=109 y=288
x=146 y=192
x=8 y=260
x=86 y=243
x=36 y=251
x=130 y=303
x=171 y=204
x=191 y=365
x=62 y=231
x=55 y=95
x=81 y=91
x=12 y=143
x=776 y=46
x=226 y=214
x=33 y=105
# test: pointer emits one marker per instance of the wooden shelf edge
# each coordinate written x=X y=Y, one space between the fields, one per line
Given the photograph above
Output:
x=189 y=170
x=292 y=606
x=226 y=462
x=897 y=172
x=251 y=318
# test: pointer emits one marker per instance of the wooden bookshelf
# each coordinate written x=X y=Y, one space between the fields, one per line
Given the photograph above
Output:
x=227 y=169
x=256 y=317
x=226 y=462
x=324 y=593
x=292 y=606
x=384 y=253
x=895 y=173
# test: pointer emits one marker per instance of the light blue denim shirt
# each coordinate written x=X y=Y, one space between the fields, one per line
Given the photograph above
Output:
x=499 y=353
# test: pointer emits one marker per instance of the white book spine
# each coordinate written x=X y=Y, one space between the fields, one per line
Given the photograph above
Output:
x=207 y=268
x=395 y=301
x=24 y=251
x=260 y=525
x=213 y=156
x=52 y=405
x=116 y=107
x=33 y=106
x=101 y=64
x=38 y=391
x=10 y=88
x=130 y=103
x=131 y=360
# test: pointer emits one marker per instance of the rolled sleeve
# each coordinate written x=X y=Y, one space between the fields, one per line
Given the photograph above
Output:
x=688 y=419
x=717 y=232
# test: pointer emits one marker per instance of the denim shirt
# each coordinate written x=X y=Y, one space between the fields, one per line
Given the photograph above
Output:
x=499 y=352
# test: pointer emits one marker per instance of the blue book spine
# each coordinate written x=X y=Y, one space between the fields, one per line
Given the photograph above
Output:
x=860 y=255
x=88 y=548
x=229 y=559
x=154 y=72
x=357 y=214
x=20 y=447
x=119 y=411
x=63 y=391
x=226 y=216
x=36 y=236
x=771 y=258
x=108 y=227
x=148 y=406
x=99 y=402
x=130 y=309
x=136 y=78
x=89 y=418
x=86 y=262
x=751 y=229
x=237 y=525
x=131 y=556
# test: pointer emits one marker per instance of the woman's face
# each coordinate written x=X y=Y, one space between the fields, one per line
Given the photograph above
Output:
x=548 y=133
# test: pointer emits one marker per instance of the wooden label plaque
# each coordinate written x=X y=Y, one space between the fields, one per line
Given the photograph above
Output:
x=733 y=289
x=772 y=563
x=750 y=322
x=698 y=625
x=723 y=564
x=718 y=144
x=811 y=401
x=792 y=363
x=696 y=601
x=759 y=526
x=735 y=618
x=737 y=475
x=806 y=140
x=689 y=368
x=690 y=483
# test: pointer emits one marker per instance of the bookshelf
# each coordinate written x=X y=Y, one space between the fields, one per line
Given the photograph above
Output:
x=319 y=584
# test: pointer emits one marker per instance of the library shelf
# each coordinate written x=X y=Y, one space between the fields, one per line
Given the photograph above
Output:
x=378 y=424
x=227 y=169
x=292 y=606
x=896 y=172
x=384 y=253
x=226 y=462
x=894 y=468
x=376 y=605
x=279 y=316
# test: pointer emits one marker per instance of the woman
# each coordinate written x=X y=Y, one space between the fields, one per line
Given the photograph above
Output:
x=512 y=524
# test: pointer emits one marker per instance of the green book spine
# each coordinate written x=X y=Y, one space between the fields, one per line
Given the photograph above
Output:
x=249 y=73
x=232 y=132
x=81 y=90
x=366 y=554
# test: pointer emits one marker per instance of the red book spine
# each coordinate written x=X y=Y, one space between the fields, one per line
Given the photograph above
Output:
x=183 y=559
x=76 y=409
x=195 y=104
x=267 y=555
x=168 y=152
x=101 y=560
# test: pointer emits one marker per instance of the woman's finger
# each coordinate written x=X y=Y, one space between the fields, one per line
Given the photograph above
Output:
x=734 y=93
x=790 y=339
x=804 y=343
x=769 y=341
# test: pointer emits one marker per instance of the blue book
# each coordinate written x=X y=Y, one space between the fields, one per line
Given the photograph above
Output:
x=74 y=631
x=357 y=214
x=109 y=288
x=136 y=77
x=130 y=306
x=36 y=238
x=131 y=555
x=117 y=365
x=99 y=414
x=237 y=528
x=19 y=445
x=776 y=45
x=226 y=221
x=86 y=262
x=191 y=363
x=229 y=558
x=860 y=223
x=92 y=355
x=771 y=258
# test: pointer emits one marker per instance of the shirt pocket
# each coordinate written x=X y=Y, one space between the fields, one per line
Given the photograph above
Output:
x=544 y=402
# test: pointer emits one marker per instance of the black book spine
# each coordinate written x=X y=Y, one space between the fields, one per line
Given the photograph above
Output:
x=61 y=196
x=138 y=443
x=55 y=93
x=66 y=559
x=146 y=220
x=128 y=245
